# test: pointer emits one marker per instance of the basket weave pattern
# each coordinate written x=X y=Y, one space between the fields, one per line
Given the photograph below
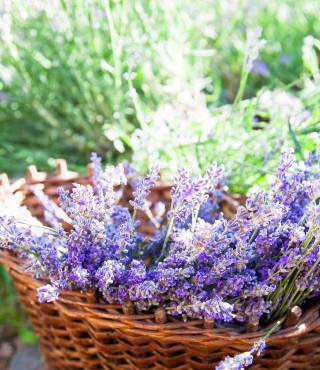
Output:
x=78 y=332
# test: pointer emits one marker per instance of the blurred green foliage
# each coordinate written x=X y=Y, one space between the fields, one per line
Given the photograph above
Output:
x=64 y=92
x=11 y=314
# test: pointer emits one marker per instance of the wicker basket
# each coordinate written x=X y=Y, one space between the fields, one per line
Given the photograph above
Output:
x=77 y=332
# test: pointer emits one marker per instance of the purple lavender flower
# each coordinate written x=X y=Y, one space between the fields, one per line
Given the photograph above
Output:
x=260 y=68
x=47 y=293
x=82 y=202
x=213 y=177
x=142 y=189
x=189 y=193
x=106 y=180
x=97 y=168
x=209 y=211
x=215 y=309
x=253 y=45
x=137 y=273
x=108 y=276
x=238 y=362
x=259 y=347
x=243 y=360
x=144 y=294
x=80 y=277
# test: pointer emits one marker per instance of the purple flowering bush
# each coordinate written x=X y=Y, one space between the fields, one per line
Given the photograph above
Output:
x=250 y=269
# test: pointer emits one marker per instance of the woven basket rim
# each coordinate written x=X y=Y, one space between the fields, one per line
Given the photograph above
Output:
x=175 y=328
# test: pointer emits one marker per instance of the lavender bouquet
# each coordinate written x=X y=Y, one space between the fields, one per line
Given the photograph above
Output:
x=249 y=270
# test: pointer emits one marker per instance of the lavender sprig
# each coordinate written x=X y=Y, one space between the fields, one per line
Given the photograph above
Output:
x=187 y=196
x=142 y=188
x=253 y=45
x=47 y=293
x=245 y=359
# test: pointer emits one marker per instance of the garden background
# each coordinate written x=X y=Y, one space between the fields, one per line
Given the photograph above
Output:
x=156 y=80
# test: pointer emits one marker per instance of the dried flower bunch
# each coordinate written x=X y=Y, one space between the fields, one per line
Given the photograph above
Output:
x=250 y=269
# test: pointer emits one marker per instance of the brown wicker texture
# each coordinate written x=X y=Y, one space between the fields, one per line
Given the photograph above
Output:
x=76 y=332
